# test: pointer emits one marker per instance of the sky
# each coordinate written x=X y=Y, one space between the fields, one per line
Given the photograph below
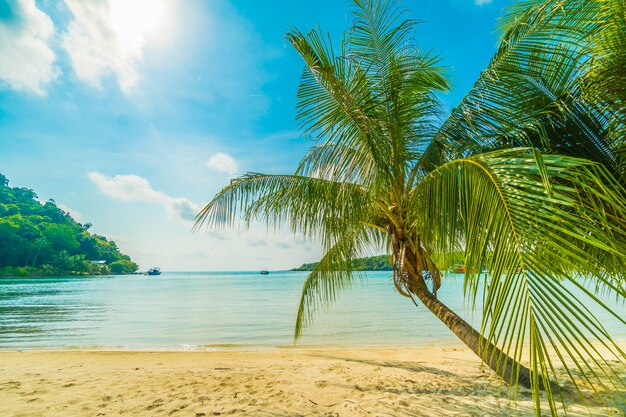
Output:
x=132 y=114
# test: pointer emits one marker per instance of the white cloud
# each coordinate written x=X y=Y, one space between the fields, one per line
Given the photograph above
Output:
x=76 y=215
x=107 y=37
x=27 y=60
x=222 y=162
x=126 y=187
x=135 y=188
x=482 y=2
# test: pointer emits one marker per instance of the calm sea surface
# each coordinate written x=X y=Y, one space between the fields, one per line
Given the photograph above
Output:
x=217 y=310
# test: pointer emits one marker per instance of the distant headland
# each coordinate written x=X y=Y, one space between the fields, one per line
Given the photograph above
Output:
x=383 y=263
x=373 y=263
x=41 y=239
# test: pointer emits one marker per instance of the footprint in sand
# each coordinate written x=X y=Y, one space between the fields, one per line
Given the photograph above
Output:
x=11 y=384
x=173 y=411
x=321 y=384
x=155 y=404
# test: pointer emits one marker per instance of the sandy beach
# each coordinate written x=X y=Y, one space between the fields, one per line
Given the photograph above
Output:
x=277 y=382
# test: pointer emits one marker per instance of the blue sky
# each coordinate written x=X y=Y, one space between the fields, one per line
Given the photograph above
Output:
x=132 y=114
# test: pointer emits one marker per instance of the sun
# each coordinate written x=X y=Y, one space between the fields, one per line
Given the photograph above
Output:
x=134 y=20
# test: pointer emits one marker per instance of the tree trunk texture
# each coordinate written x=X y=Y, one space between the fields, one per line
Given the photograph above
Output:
x=495 y=358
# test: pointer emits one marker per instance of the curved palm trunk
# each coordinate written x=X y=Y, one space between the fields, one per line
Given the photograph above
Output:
x=495 y=358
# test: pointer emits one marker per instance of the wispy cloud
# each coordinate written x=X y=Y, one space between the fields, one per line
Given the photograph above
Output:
x=221 y=162
x=135 y=188
x=27 y=62
x=107 y=37
x=482 y=2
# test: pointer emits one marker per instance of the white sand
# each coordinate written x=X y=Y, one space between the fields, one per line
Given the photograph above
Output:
x=278 y=382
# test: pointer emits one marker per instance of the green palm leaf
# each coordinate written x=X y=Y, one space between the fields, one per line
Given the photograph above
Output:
x=605 y=81
x=535 y=240
x=310 y=206
x=334 y=272
x=531 y=92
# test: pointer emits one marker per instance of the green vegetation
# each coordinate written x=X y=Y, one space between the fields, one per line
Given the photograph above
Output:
x=381 y=263
x=525 y=177
x=41 y=239
x=372 y=263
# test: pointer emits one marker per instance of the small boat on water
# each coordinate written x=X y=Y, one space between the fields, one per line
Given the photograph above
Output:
x=154 y=271
x=264 y=272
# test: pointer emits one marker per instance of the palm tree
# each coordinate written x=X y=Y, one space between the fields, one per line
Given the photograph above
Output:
x=387 y=175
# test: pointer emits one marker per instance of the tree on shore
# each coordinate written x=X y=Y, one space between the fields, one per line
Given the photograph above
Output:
x=518 y=189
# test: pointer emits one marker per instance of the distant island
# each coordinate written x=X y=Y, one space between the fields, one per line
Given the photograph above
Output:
x=373 y=263
x=40 y=239
x=383 y=263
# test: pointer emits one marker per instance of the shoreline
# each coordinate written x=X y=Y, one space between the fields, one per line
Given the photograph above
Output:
x=444 y=343
x=233 y=347
x=305 y=381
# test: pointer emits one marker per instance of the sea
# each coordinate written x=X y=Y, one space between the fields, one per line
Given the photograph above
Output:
x=222 y=310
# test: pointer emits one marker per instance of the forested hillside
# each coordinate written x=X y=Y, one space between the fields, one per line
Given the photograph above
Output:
x=41 y=239
x=374 y=263
x=383 y=263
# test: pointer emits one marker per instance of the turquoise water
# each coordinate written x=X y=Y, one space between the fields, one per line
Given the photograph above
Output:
x=215 y=310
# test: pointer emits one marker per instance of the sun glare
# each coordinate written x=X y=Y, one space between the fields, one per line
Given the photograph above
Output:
x=133 y=20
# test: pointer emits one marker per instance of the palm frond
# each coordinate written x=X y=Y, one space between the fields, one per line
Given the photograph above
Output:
x=334 y=272
x=337 y=162
x=379 y=32
x=376 y=96
x=335 y=101
x=530 y=94
x=312 y=206
x=605 y=81
x=541 y=226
